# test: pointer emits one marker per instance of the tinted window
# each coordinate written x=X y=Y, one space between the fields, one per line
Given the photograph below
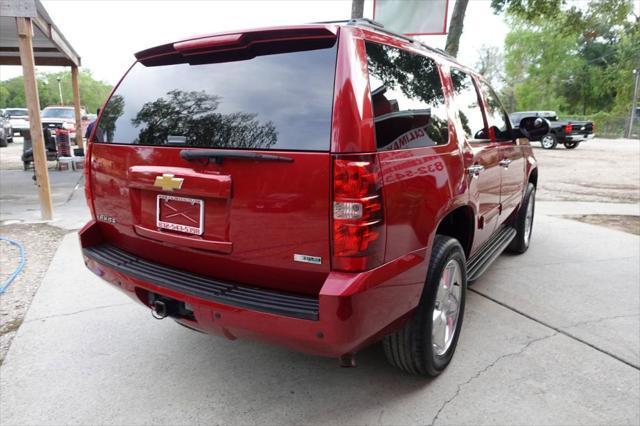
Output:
x=496 y=115
x=269 y=101
x=408 y=102
x=468 y=104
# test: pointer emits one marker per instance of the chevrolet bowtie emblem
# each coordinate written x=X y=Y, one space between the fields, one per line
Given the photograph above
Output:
x=168 y=182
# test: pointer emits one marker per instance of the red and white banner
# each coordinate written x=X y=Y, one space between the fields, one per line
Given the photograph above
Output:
x=412 y=17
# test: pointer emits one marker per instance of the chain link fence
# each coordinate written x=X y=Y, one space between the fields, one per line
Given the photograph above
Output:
x=610 y=125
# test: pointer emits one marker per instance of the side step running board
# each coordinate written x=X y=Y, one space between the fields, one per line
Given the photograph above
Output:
x=479 y=262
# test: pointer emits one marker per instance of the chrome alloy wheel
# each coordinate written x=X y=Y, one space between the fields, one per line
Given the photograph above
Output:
x=446 y=309
x=547 y=141
x=528 y=219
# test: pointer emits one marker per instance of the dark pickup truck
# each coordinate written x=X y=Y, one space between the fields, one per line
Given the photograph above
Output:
x=568 y=133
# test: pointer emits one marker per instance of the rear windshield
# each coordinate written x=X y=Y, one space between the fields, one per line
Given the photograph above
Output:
x=280 y=101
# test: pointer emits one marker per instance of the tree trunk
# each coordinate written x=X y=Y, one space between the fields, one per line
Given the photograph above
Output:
x=455 y=27
x=357 y=9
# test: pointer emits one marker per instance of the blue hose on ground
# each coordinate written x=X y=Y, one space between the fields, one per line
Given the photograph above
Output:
x=6 y=283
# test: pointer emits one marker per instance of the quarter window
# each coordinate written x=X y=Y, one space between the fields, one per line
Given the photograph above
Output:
x=468 y=104
x=408 y=101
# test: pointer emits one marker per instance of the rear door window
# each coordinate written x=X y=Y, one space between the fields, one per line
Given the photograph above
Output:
x=496 y=114
x=467 y=102
x=268 y=101
x=408 y=102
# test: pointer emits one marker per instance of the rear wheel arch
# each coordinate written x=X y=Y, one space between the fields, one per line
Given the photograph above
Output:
x=459 y=224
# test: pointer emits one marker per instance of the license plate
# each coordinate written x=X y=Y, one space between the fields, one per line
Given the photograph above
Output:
x=180 y=214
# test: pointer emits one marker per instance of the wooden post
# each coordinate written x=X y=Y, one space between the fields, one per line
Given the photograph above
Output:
x=76 y=105
x=25 y=45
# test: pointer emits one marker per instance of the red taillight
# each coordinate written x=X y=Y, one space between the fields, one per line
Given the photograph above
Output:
x=568 y=128
x=88 y=192
x=358 y=229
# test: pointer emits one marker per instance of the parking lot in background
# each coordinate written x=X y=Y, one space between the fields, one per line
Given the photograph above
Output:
x=551 y=336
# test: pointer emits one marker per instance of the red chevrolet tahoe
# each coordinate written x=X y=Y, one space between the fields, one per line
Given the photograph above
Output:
x=321 y=186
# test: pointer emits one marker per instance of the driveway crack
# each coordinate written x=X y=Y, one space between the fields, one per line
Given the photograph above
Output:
x=77 y=312
x=484 y=370
x=597 y=320
x=562 y=330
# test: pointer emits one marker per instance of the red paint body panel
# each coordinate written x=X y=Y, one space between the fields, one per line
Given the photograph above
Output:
x=259 y=214
x=265 y=233
x=354 y=308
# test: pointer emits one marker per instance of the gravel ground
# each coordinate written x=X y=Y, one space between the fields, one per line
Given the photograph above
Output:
x=630 y=224
x=601 y=170
x=606 y=170
x=40 y=242
x=11 y=156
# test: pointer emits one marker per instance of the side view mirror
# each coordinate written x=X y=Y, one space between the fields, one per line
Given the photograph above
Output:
x=532 y=128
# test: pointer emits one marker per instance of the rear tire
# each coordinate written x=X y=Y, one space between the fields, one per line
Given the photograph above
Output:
x=426 y=343
x=523 y=222
x=571 y=144
x=549 y=141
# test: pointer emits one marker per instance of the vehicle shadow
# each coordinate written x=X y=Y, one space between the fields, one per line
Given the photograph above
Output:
x=278 y=386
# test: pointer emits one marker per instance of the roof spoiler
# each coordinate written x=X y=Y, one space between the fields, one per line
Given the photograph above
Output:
x=182 y=50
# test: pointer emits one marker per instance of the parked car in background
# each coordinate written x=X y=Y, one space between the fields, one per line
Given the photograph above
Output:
x=19 y=118
x=567 y=132
x=60 y=117
x=6 y=131
x=303 y=185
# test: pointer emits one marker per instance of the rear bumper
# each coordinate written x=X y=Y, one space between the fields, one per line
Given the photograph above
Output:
x=351 y=311
x=579 y=138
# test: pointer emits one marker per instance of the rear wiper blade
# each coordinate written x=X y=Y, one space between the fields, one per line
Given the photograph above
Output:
x=219 y=156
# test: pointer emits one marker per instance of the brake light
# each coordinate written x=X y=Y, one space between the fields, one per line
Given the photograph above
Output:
x=88 y=190
x=568 y=128
x=358 y=228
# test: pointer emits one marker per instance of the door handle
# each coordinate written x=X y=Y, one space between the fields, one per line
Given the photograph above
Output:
x=505 y=163
x=475 y=170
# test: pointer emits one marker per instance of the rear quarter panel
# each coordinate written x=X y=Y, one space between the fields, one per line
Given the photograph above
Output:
x=421 y=185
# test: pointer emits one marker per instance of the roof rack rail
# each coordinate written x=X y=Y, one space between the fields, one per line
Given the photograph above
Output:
x=380 y=27
x=366 y=21
x=434 y=49
x=377 y=26
x=353 y=21
x=339 y=21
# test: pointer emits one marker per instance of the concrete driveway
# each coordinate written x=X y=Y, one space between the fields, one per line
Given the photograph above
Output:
x=550 y=337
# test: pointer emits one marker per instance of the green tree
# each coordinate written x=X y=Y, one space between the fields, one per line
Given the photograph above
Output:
x=93 y=92
x=577 y=62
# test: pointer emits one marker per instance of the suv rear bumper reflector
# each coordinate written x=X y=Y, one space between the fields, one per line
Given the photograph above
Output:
x=258 y=299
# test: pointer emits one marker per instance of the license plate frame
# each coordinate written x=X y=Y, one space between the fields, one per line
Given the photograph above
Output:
x=178 y=227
